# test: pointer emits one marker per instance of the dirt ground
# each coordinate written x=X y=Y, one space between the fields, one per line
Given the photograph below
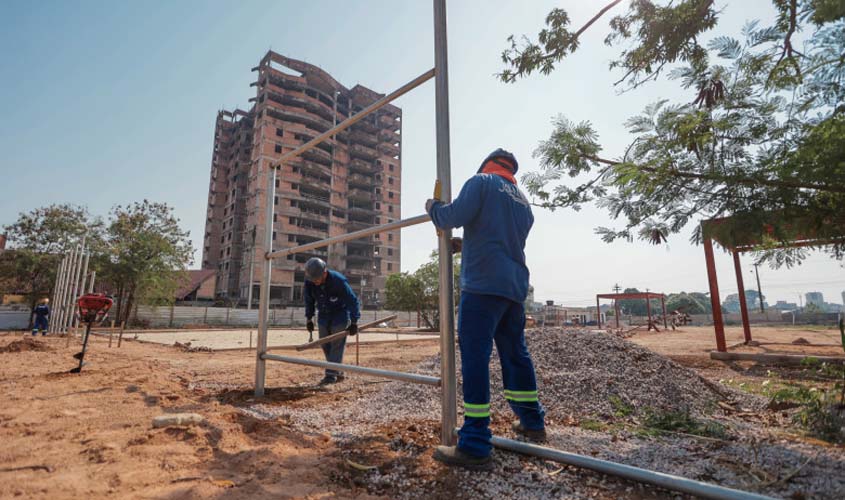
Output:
x=90 y=434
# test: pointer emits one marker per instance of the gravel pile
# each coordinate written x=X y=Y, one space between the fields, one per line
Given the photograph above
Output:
x=25 y=344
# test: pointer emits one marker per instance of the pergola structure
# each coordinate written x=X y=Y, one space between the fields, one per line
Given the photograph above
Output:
x=647 y=296
x=725 y=231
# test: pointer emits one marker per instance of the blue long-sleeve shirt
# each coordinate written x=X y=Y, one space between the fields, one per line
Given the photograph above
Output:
x=334 y=300
x=41 y=311
x=496 y=218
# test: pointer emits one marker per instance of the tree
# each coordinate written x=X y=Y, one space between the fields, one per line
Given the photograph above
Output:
x=38 y=241
x=686 y=303
x=761 y=137
x=420 y=291
x=147 y=253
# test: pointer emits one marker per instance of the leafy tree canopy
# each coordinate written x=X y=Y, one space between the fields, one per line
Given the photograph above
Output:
x=761 y=136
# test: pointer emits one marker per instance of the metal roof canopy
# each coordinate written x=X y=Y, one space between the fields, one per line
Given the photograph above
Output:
x=633 y=295
x=747 y=239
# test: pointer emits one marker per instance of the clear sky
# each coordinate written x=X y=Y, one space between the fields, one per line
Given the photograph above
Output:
x=110 y=102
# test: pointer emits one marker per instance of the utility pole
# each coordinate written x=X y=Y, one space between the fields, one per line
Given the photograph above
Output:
x=759 y=290
x=251 y=271
x=616 y=288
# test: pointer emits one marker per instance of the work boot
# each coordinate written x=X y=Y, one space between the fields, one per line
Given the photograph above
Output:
x=340 y=377
x=328 y=380
x=451 y=455
x=533 y=435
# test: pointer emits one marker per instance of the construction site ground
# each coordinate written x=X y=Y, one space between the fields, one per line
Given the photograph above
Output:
x=89 y=435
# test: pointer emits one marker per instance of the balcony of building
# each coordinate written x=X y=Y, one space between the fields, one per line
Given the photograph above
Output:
x=388 y=136
x=318 y=156
x=283 y=82
x=361 y=208
x=366 y=125
x=363 y=167
x=363 y=152
x=315 y=193
x=357 y=225
x=360 y=195
x=389 y=149
x=360 y=181
x=311 y=122
x=314 y=169
x=364 y=138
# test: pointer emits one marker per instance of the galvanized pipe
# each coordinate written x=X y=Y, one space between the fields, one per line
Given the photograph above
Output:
x=71 y=307
x=57 y=308
x=404 y=377
x=91 y=284
x=448 y=396
x=66 y=288
x=667 y=481
x=56 y=290
x=416 y=82
x=80 y=291
x=266 y=271
x=383 y=228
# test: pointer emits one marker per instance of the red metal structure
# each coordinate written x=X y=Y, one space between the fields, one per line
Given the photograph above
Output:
x=725 y=232
x=640 y=295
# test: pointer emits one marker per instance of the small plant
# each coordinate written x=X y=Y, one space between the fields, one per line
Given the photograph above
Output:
x=682 y=422
x=620 y=408
x=593 y=425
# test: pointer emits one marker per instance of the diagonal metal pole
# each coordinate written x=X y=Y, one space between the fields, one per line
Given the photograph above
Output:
x=266 y=271
x=448 y=395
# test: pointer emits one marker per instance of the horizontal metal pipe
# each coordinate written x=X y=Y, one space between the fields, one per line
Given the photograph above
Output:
x=416 y=82
x=405 y=377
x=349 y=236
x=667 y=481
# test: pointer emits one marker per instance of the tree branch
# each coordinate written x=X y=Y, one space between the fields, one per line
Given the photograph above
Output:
x=739 y=180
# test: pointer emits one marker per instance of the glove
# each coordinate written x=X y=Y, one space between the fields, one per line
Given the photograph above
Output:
x=309 y=326
x=430 y=204
x=353 y=329
x=457 y=245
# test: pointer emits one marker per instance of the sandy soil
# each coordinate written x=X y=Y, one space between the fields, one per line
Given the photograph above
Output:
x=90 y=435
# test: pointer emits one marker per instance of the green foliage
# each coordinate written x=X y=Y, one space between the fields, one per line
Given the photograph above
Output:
x=654 y=422
x=637 y=307
x=37 y=239
x=593 y=425
x=820 y=411
x=420 y=291
x=620 y=408
x=690 y=303
x=761 y=138
x=147 y=253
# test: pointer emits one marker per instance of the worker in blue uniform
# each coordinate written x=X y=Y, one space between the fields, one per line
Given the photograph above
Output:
x=337 y=305
x=496 y=217
x=41 y=313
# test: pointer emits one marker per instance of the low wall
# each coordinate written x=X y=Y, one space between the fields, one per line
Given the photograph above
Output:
x=181 y=316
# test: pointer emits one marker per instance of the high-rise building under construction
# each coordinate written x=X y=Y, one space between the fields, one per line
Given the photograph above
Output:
x=348 y=182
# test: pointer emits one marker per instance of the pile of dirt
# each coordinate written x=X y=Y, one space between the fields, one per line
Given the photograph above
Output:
x=25 y=344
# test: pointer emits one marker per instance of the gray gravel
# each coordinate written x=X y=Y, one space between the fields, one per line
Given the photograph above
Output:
x=579 y=374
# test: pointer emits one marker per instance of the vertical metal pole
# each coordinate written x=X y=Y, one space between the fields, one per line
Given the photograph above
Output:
x=663 y=304
x=743 y=303
x=75 y=286
x=66 y=292
x=616 y=311
x=56 y=291
x=251 y=272
x=449 y=410
x=266 y=270
x=648 y=310
x=715 y=302
x=81 y=289
x=91 y=284
x=55 y=316
x=759 y=290
x=598 y=313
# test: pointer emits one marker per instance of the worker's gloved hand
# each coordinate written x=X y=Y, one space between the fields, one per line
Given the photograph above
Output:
x=353 y=329
x=430 y=204
x=309 y=326
x=457 y=244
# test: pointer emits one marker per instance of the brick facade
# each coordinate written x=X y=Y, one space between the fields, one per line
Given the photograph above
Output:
x=346 y=183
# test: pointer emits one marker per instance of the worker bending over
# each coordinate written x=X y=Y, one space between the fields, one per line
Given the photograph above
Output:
x=496 y=218
x=337 y=308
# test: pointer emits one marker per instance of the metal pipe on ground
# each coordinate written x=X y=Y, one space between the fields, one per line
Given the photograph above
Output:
x=343 y=334
x=405 y=377
x=667 y=481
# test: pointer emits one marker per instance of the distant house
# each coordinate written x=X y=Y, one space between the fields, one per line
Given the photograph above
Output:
x=199 y=286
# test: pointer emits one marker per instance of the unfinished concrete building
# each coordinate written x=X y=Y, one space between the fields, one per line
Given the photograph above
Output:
x=349 y=182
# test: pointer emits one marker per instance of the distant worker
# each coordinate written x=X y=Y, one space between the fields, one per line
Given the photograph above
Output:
x=496 y=218
x=337 y=308
x=41 y=312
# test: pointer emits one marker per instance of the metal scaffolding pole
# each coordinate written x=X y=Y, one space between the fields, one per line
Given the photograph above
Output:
x=66 y=289
x=55 y=298
x=449 y=411
x=91 y=284
x=81 y=290
x=71 y=306
x=415 y=378
x=266 y=271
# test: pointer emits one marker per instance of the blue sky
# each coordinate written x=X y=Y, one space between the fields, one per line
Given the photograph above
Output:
x=110 y=102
